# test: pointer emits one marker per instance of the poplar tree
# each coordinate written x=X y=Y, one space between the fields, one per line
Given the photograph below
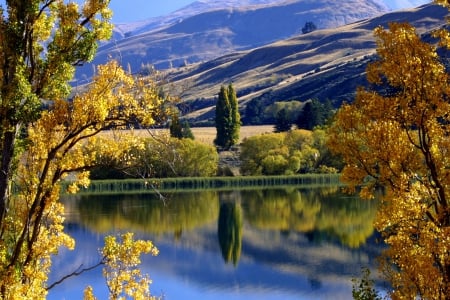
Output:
x=235 y=116
x=41 y=44
x=227 y=118
x=401 y=141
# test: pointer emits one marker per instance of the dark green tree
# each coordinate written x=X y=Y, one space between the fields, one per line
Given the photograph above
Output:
x=309 y=27
x=175 y=128
x=227 y=118
x=235 y=116
x=180 y=130
x=186 y=131
x=314 y=113
x=254 y=111
x=282 y=121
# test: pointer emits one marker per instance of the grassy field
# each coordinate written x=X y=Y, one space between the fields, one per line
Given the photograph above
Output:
x=208 y=134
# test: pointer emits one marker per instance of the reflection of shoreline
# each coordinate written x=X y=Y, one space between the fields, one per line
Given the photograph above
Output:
x=292 y=264
x=279 y=248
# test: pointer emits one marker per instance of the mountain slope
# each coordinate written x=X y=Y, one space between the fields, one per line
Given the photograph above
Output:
x=324 y=64
x=213 y=33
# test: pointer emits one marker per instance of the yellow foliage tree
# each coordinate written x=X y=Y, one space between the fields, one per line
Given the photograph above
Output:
x=41 y=42
x=399 y=139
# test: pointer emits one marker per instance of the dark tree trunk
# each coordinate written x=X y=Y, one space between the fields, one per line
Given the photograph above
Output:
x=5 y=171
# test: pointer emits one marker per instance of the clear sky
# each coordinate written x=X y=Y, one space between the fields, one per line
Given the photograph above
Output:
x=126 y=11
x=136 y=10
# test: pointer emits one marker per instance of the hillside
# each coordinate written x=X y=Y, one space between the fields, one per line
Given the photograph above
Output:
x=201 y=34
x=324 y=64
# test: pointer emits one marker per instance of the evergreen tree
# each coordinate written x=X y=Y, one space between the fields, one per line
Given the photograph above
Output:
x=180 y=130
x=314 y=113
x=282 y=122
x=309 y=27
x=227 y=118
x=186 y=131
x=175 y=128
x=254 y=111
x=235 y=116
x=223 y=110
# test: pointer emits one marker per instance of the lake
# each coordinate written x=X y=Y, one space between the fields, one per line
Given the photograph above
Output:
x=295 y=243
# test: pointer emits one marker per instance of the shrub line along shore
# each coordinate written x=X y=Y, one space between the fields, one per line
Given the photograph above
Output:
x=180 y=184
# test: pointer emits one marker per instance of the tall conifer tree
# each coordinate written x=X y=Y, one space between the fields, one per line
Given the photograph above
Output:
x=235 y=116
x=227 y=118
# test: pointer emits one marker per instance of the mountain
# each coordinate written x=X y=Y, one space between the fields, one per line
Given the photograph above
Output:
x=202 y=6
x=402 y=4
x=204 y=31
x=324 y=64
x=195 y=8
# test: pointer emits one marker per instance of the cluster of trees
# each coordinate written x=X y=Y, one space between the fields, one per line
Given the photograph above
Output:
x=285 y=114
x=296 y=151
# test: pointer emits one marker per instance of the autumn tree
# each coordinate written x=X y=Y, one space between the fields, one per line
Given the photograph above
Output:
x=41 y=43
x=227 y=118
x=400 y=140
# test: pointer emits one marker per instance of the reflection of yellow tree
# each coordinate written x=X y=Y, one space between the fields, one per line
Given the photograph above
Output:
x=147 y=213
x=230 y=231
x=319 y=210
x=348 y=218
x=281 y=210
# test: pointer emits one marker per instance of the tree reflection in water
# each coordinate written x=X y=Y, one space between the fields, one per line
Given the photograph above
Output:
x=299 y=240
x=324 y=213
x=230 y=231
x=148 y=213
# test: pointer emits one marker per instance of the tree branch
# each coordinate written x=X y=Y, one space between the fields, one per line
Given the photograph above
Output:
x=77 y=272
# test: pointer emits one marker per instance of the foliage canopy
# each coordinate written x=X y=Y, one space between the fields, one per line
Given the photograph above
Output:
x=286 y=153
x=45 y=136
x=400 y=140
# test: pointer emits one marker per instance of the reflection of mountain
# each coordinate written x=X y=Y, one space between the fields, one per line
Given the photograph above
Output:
x=321 y=213
x=149 y=213
x=230 y=231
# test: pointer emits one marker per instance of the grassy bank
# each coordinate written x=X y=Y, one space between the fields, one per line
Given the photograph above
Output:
x=195 y=183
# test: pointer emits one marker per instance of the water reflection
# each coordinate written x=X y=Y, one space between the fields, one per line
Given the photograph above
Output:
x=291 y=244
x=148 y=212
x=230 y=231
x=322 y=214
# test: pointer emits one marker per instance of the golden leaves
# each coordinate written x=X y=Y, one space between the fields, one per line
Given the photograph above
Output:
x=123 y=277
x=42 y=41
x=61 y=142
x=400 y=140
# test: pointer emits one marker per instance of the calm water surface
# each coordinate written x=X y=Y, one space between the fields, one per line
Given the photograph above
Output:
x=252 y=244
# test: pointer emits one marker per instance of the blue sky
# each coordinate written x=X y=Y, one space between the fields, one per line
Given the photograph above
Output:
x=137 y=10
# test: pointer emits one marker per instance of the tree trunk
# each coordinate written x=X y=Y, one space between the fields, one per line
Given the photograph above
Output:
x=9 y=138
